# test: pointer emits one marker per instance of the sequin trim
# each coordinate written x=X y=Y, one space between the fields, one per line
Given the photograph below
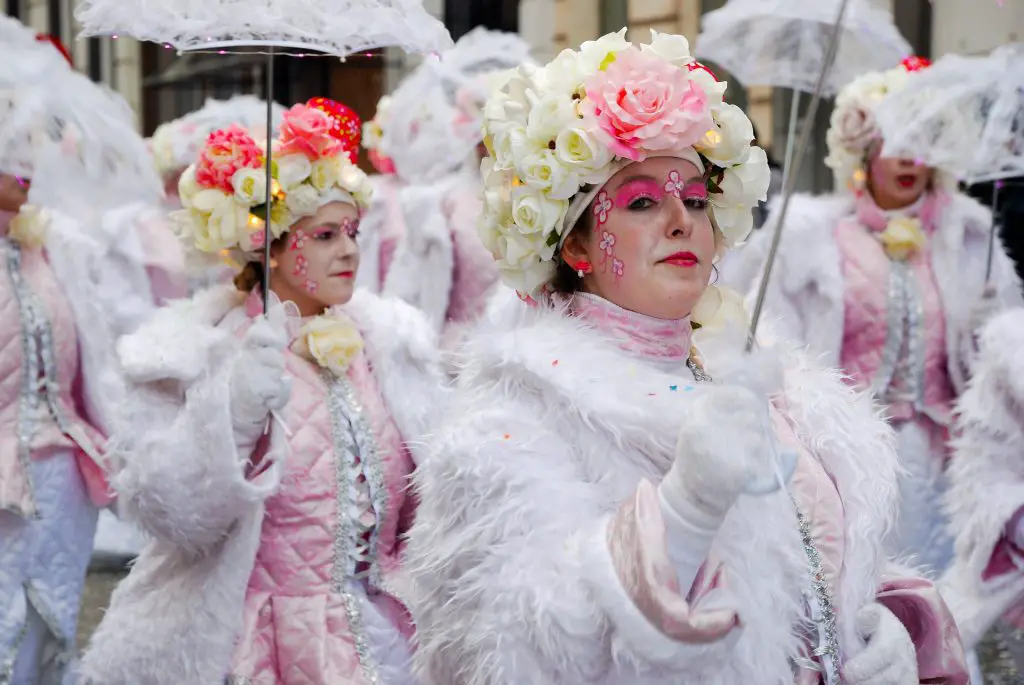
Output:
x=819 y=596
x=996 y=658
x=345 y=431
x=37 y=345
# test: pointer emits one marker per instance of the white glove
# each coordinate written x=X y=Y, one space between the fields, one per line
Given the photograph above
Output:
x=726 y=447
x=258 y=383
x=889 y=658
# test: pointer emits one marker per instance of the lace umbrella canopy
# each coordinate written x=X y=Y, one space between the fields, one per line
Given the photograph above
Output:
x=964 y=115
x=74 y=138
x=302 y=27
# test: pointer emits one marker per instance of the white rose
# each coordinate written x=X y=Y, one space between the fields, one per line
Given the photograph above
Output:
x=535 y=214
x=225 y=227
x=669 y=47
x=250 y=186
x=595 y=53
x=543 y=171
x=324 y=174
x=728 y=145
x=853 y=128
x=292 y=170
x=187 y=186
x=302 y=200
x=512 y=145
x=564 y=74
x=528 y=278
x=719 y=310
x=741 y=188
x=208 y=200
x=578 y=149
x=712 y=87
x=489 y=228
x=549 y=116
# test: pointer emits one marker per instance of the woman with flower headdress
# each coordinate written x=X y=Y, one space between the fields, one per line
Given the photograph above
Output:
x=593 y=507
x=887 y=279
x=74 y=274
x=433 y=138
x=276 y=544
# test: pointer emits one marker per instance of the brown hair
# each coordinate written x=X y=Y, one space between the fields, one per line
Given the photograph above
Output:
x=251 y=275
x=566 y=280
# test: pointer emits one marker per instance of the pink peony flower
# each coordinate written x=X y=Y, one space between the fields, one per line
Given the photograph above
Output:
x=226 y=151
x=643 y=104
x=308 y=131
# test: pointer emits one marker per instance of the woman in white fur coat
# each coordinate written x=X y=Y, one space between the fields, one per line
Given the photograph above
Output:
x=984 y=585
x=276 y=549
x=593 y=509
x=885 y=279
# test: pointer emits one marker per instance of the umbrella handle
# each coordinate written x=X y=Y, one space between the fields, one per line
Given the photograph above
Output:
x=791 y=176
x=267 y=233
x=993 y=230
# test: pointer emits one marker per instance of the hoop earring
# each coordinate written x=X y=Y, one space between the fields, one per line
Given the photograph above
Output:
x=714 y=270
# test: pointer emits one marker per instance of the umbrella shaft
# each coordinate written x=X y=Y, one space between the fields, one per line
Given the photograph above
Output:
x=267 y=233
x=992 y=231
x=791 y=176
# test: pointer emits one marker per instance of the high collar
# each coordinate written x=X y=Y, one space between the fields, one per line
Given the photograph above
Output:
x=647 y=337
x=925 y=209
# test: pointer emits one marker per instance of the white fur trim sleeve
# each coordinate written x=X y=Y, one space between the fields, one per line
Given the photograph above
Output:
x=507 y=593
x=177 y=471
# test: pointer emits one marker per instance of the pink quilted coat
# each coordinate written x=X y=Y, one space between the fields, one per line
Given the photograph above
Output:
x=33 y=423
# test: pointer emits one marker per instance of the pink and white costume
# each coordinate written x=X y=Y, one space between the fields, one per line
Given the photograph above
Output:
x=297 y=581
x=555 y=569
x=903 y=330
x=432 y=130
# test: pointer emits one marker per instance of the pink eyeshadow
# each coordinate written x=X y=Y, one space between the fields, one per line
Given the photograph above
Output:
x=638 y=188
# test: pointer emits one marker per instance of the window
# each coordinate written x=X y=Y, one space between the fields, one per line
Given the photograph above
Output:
x=95 y=60
x=461 y=16
x=56 y=12
x=14 y=8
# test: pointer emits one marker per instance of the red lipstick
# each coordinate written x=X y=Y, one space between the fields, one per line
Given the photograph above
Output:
x=683 y=259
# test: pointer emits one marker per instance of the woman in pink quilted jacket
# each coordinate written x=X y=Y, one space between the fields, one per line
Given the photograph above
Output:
x=886 y=279
x=268 y=456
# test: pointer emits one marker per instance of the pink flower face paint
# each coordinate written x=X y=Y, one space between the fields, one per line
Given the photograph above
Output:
x=296 y=240
x=602 y=208
x=312 y=286
x=350 y=227
x=301 y=266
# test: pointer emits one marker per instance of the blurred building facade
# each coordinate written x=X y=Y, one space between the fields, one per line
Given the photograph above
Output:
x=161 y=85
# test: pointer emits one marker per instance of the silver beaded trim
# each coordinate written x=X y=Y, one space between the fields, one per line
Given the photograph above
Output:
x=38 y=358
x=996 y=657
x=819 y=596
x=345 y=430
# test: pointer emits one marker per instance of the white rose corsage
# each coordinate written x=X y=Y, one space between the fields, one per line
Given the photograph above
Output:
x=902 y=238
x=330 y=341
x=29 y=227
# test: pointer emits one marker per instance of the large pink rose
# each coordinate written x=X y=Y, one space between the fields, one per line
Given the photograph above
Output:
x=644 y=105
x=226 y=151
x=307 y=130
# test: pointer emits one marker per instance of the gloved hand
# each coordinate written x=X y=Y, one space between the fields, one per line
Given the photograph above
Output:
x=258 y=384
x=726 y=447
x=889 y=658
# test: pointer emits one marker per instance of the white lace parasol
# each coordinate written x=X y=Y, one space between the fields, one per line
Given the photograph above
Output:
x=964 y=115
x=783 y=43
x=338 y=27
x=63 y=130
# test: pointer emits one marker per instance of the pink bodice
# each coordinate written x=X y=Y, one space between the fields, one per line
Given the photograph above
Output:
x=868 y=278
x=38 y=376
x=330 y=539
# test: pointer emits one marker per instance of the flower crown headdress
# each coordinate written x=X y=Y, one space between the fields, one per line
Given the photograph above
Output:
x=556 y=134
x=852 y=127
x=224 y=193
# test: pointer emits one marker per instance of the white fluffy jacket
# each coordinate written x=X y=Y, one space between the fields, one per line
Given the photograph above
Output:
x=987 y=478
x=805 y=294
x=180 y=478
x=551 y=428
